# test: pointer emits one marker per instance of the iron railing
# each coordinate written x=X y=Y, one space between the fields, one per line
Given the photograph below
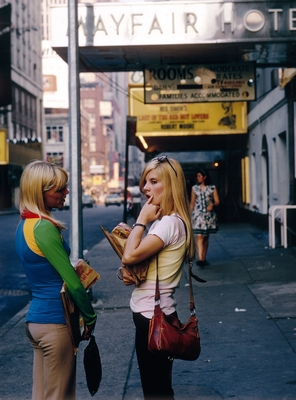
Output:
x=279 y=214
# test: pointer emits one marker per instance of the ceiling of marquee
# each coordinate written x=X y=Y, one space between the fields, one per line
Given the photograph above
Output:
x=134 y=58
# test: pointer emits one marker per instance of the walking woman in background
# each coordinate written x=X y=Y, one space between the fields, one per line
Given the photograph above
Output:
x=204 y=197
x=169 y=239
x=45 y=259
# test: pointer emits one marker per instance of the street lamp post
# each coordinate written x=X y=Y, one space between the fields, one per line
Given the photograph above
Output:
x=76 y=228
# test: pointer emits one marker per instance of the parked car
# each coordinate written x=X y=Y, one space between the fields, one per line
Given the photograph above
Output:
x=87 y=201
x=112 y=200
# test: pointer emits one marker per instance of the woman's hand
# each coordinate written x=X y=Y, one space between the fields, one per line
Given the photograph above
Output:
x=136 y=248
x=210 y=207
x=149 y=212
x=126 y=277
x=88 y=331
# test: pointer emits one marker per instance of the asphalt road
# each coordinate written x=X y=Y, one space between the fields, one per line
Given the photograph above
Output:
x=14 y=288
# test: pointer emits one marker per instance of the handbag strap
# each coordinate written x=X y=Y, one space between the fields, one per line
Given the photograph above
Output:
x=157 y=292
x=191 y=275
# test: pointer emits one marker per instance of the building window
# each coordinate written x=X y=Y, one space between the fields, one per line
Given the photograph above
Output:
x=89 y=103
x=92 y=147
x=54 y=134
x=24 y=113
x=55 y=158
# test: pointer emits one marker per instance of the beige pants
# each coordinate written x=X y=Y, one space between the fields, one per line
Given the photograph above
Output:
x=54 y=369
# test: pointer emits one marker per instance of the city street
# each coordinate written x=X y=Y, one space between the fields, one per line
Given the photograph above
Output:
x=247 y=323
x=101 y=88
x=14 y=288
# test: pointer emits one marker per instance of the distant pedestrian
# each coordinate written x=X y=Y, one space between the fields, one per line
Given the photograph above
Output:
x=45 y=258
x=204 y=197
x=129 y=204
x=94 y=197
x=170 y=240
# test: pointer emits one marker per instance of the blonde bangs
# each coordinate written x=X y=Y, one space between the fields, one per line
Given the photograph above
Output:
x=175 y=198
x=60 y=179
x=37 y=178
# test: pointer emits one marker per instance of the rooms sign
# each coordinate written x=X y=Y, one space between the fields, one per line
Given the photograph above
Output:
x=199 y=83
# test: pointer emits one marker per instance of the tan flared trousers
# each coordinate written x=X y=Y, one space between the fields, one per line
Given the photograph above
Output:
x=54 y=368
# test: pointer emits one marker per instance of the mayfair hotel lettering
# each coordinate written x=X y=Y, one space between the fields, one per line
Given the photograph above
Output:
x=253 y=21
x=188 y=22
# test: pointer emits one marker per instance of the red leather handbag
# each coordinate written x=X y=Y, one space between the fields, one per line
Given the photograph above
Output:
x=168 y=335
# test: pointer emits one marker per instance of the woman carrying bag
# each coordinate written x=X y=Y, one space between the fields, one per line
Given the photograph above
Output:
x=45 y=259
x=170 y=240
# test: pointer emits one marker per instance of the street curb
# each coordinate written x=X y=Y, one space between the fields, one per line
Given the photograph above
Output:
x=13 y=321
x=9 y=212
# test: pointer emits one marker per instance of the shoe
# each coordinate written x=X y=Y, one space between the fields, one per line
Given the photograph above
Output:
x=200 y=263
x=206 y=262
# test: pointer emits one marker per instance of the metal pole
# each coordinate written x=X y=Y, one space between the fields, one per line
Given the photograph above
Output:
x=126 y=172
x=76 y=228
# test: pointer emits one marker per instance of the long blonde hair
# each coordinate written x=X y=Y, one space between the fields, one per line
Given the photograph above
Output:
x=174 y=199
x=37 y=178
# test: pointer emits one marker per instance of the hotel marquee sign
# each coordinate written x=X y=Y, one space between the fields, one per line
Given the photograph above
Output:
x=117 y=24
x=199 y=83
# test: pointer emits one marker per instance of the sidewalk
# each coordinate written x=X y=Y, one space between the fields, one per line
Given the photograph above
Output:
x=247 y=321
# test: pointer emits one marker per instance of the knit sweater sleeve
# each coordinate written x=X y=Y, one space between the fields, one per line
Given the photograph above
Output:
x=49 y=241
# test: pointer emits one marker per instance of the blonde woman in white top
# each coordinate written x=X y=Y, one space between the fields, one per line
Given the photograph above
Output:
x=170 y=237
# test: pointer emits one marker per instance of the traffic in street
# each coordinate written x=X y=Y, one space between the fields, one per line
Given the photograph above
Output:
x=14 y=288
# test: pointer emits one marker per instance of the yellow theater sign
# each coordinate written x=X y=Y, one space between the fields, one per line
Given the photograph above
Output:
x=4 y=151
x=186 y=119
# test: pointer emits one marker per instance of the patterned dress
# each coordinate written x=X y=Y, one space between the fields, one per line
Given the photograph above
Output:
x=204 y=222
